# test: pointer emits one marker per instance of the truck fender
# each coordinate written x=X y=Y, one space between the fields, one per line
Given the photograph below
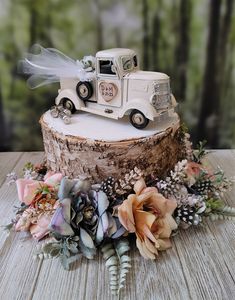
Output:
x=146 y=108
x=71 y=95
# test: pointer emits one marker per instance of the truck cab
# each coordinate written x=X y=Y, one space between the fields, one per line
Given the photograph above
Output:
x=116 y=87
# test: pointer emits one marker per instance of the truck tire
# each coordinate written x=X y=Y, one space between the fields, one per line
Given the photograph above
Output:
x=68 y=104
x=84 y=90
x=138 y=119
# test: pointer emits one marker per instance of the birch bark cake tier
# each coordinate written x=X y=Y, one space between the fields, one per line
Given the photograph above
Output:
x=97 y=147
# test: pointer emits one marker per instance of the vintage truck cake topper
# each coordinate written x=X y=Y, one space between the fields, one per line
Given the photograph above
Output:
x=109 y=84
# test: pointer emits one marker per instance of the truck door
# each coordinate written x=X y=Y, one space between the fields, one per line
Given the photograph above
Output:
x=109 y=85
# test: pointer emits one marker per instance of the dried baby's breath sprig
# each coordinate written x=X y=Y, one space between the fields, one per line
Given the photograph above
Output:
x=11 y=178
x=126 y=185
x=117 y=263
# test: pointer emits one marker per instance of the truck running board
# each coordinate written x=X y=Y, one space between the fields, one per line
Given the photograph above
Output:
x=100 y=112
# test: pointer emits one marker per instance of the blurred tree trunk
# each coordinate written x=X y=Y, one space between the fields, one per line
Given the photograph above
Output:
x=156 y=29
x=145 y=34
x=99 y=25
x=45 y=30
x=222 y=63
x=118 y=37
x=2 y=123
x=182 y=49
x=207 y=122
x=33 y=23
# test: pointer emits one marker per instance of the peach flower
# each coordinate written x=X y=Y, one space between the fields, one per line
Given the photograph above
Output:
x=27 y=188
x=149 y=215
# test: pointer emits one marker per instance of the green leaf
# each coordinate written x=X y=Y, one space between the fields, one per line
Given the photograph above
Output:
x=8 y=227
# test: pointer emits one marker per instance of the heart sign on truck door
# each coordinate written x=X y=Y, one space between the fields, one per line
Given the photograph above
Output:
x=108 y=90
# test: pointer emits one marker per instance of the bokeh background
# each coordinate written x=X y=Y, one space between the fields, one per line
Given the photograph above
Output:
x=190 y=40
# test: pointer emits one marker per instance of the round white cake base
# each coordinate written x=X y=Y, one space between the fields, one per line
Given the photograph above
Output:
x=90 y=126
x=97 y=147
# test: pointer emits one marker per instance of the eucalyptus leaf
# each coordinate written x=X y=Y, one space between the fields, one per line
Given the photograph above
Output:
x=117 y=262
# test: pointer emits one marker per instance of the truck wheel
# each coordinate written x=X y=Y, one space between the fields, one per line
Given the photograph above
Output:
x=84 y=90
x=68 y=104
x=138 y=119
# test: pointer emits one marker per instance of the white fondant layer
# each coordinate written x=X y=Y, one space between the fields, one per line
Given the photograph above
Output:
x=99 y=128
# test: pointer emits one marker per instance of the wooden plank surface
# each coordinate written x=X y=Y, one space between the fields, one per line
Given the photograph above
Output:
x=201 y=264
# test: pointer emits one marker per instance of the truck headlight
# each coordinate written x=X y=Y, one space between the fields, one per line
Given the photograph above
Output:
x=161 y=101
x=153 y=100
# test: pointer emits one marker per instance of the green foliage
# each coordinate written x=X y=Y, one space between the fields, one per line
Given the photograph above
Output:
x=28 y=166
x=217 y=210
x=8 y=227
x=66 y=249
x=200 y=152
x=117 y=263
x=44 y=190
x=213 y=205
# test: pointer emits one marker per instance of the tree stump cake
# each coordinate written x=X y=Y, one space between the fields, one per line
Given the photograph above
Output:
x=96 y=147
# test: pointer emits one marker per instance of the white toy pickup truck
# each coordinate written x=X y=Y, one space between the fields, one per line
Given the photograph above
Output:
x=109 y=85
x=118 y=88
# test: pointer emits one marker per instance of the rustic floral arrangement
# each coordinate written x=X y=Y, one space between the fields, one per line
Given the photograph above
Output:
x=74 y=217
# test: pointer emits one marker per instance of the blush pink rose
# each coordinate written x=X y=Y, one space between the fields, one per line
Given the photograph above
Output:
x=40 y=229
x=27 y=188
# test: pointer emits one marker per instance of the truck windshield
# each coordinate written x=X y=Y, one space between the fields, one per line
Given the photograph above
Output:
x=127 y=63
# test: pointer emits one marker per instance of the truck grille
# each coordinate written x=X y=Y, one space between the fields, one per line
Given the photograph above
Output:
x=162 y=95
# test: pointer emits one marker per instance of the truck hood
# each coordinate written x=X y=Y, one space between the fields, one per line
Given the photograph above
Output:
x=147 y=75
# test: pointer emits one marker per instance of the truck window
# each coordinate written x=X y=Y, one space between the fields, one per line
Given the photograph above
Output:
x=106 y=67
x=127 y=63
x=135 y=61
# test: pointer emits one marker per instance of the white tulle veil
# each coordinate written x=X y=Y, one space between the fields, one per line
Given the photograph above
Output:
x=50 y=65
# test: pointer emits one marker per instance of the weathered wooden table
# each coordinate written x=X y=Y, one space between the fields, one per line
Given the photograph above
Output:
x=201 y=264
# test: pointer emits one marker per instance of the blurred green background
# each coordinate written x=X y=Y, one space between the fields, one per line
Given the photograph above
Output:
x=190 y=40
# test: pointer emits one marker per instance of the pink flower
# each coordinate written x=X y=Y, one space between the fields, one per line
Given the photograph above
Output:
x=25 y=220
x=193 y=171
x=27 y=188
x=40 y=229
